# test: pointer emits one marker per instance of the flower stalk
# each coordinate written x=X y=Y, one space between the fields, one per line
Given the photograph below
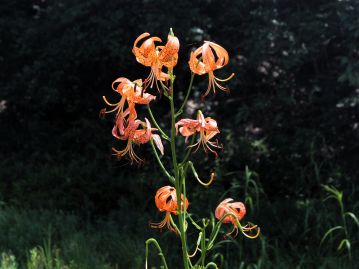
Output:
x=173 y=200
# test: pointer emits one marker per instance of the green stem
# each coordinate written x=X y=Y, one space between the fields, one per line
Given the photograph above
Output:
x=194 y=223
x=180 y=111
x=203 y=247
x=189 y=150
x=160 y=253
x=177 y=179
x=211 y=264
x=164 y=135
x=174 y=225
x=161 y=164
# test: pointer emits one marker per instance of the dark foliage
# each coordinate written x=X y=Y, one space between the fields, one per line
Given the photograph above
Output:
x=292 y=115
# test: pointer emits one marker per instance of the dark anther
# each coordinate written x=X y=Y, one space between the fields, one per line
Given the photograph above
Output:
x=102 y=113
x=169 y=198
x=143 y=90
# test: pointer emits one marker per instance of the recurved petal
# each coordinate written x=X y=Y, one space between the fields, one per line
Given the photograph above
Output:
x=139 y=38
x=187 y=127
x=185 y=131
x=169 y=53
x=146 y=53
x=210 y=135
x=144 y=135
x=211 y=122
x=196 y=65
x=119 y=129
x=221 y=210
x=158 y=143
x=240 y=209
x=222 y=54
x=227 y=200
x=159 y=74
x=122 y=82
x=139 y=97
x=208 y=57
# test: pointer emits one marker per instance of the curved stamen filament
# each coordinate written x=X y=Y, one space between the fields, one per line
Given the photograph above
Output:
x=225 y=79
x=213 y=175
x=128 y=149
x=118 y=106
x=234 y=230
x=213 y=83
x=108 y=103
x=248 y=228
x=206 y=144
x=165 y=221
x=149 y=80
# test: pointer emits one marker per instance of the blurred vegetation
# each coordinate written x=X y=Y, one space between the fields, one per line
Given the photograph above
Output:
x=289 y=126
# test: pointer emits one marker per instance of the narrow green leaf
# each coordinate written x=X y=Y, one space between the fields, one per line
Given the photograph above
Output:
x=342 y=243
x=329 y=232
x=350 y=214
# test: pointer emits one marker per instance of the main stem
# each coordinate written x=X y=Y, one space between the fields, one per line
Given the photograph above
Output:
x=178 y=183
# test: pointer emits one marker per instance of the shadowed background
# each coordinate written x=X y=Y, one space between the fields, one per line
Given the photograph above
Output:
x=291 y=118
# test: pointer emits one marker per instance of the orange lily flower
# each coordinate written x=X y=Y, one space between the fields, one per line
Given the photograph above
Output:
x=166 y=200
x=131 y=92
x=132 y=134
x=238 y=210
x=207 y=127
x=156 y=56
x=206 y=59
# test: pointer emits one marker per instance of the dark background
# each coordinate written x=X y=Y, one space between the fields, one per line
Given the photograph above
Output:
x=291 y=118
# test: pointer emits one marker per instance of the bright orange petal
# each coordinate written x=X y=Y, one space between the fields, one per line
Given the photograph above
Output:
x=169 y=53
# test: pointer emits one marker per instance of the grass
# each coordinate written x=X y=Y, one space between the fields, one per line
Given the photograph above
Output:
x=44 y=239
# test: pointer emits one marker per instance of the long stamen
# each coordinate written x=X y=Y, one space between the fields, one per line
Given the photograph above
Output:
x=220 y=86
x=213 y=175
x=108 y=103
x=235 y=229
x=165 y=221
x=225 y=79
x=128 y=149
x=210 y=85
x=249 y=228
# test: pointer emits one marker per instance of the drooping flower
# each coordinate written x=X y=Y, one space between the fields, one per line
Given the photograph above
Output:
x=156 y=57
x=206 y=59
x=238 y=211
x=131 y=93
x=133 y=134
x=206 y=127
x=166 y=201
